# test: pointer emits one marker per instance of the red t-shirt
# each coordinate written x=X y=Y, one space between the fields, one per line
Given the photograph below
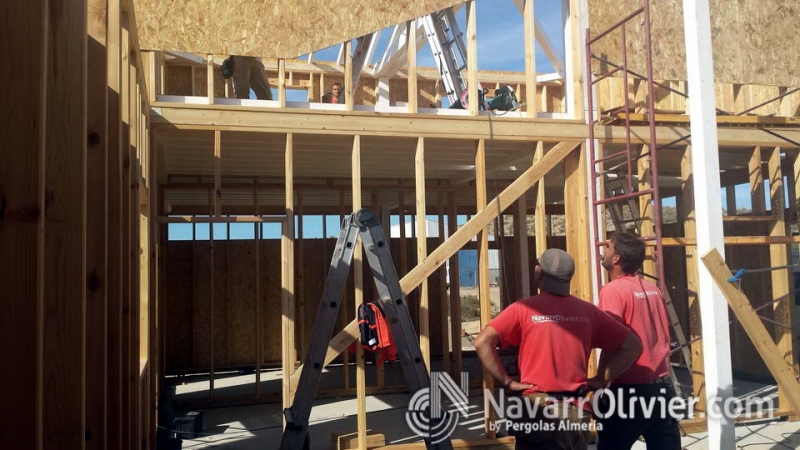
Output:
x=639 y=304
x=555 y=336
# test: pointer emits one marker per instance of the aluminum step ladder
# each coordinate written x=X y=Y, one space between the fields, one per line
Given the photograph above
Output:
x=364 y=224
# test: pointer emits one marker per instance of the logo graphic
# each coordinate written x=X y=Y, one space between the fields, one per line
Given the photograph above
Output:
x=427 y=418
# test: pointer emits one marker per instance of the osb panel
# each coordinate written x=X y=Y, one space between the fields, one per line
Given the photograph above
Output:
x=200 y=76
x=201 y=305
x=242 y=302
x=178 y=304
x=270 y=272
x=281 y=28
x=753 y=40
x=177 y=80
x=221 y=303
x=732 y=98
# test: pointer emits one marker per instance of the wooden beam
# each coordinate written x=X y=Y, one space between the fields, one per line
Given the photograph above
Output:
x=752 y=325
x=422 y=250
x=288 y=352
x=244 y=118
x=358 y=298
x=575 y=59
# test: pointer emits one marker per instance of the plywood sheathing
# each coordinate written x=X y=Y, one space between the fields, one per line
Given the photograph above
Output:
x=280 y=28
x=749 y=38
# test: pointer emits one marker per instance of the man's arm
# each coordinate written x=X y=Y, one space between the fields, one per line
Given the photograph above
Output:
x=616 y=361
x=486 y=345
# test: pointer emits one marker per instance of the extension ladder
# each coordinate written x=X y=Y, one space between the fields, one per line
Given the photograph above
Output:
x=449 y=52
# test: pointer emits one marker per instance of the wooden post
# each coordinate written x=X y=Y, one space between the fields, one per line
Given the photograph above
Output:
x=115 y=233
x=411 y=58
x=472 y=57
x=455 y=288
x=540 y=217
x=422 y=252
x=483 y=269
x=576 y=215
x=349 y=89
x=646 y=210
x=529 y=23
x=687 y=217
x=288 y=352
x=210 y=78
x=521 y=247
x=97 y=226
x=778 y=256
x=443 y=310
x=358 y=284
x=282 y=83
x=575 y=60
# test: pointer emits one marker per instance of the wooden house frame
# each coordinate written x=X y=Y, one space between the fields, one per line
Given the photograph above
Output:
x=116 y=131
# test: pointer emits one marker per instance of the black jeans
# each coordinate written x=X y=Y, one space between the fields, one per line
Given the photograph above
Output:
x=637 y=410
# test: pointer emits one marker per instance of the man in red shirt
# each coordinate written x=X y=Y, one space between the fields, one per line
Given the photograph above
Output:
x=638 y=304
x=555 y=333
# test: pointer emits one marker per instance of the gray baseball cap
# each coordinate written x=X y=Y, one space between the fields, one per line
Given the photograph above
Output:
x=557 y=270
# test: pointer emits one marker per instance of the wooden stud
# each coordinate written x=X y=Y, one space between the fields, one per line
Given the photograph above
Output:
x=288 y=353
x=687 y=217
x=411 y=67
x=483 y=271
x=282 y=83
x=422 y=251
x=443 y=310
x=577 y=216
x=358 y=297
x=209 y=78
x=300 y=279
x=115 y=233
x=529 y=24
x=756 y=183
x=521 y=248
x=96 y=226
x=575 y=60
x=349 y=89
x=217 y=198
x=778 y=256
x=646 y=209
x=455 y=288
x=540 y=217
x=472 y=57
x=126 y=180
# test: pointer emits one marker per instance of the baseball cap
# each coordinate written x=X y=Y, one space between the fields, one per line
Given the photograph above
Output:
x=557 y=268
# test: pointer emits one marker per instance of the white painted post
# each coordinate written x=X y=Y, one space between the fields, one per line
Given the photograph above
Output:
x=708 y=210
